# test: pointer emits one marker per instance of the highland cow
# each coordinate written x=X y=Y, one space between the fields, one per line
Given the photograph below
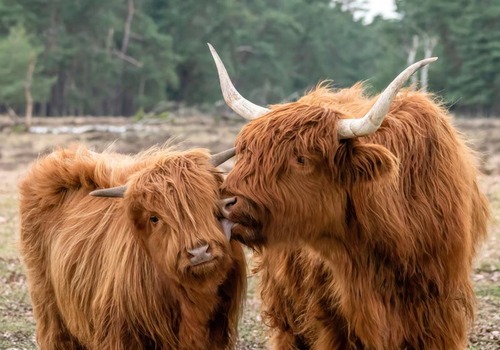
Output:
x=366 y=213
x=150 y=269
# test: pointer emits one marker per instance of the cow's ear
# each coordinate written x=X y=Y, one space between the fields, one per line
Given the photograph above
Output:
x=357 y=162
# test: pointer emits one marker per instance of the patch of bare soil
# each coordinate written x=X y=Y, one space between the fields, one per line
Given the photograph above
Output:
x=485 y=334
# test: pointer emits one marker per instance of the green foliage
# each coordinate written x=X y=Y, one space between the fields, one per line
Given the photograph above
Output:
x=489 y=290
x=468 y=73
x=273 y=50
x=478 y=46
x=16 y=52
x=139 y=115
x=163 y=116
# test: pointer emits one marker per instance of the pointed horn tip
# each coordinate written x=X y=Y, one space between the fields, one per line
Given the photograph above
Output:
x=113 y=192
x=428 y=60
x=234 y=100
x=96 y=193
x=212 y=50
x=221 y=69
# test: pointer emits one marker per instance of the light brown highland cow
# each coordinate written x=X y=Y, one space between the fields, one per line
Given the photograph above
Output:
x=366 y=213
x=151 y=270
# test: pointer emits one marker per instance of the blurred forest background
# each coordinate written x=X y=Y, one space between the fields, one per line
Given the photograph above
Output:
x=142 y=71
x=127 y=57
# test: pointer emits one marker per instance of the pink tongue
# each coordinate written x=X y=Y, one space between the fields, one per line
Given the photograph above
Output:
x=227 y=226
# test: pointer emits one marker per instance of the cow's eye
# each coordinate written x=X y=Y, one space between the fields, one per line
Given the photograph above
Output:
x=301 y=160
x=153 y=219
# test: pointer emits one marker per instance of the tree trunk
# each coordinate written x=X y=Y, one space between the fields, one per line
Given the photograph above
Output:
x=43 y=109
x=122 y=54
x=27 y=90
x=140 y=93
x=128 y=24
x=412 y=53
x=429 y=44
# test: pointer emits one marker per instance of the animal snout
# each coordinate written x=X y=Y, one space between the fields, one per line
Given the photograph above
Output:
x=226 y=204
x=200 y=254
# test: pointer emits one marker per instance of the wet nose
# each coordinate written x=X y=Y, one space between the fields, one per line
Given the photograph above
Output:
x=226 y=204
x=200 y=254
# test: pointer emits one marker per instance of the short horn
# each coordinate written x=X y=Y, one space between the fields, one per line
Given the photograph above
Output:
x=219 y=158
x=113 y=192
x=350 y=128
x=234 y=100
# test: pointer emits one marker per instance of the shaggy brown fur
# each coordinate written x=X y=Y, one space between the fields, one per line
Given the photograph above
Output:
x=103 y=275
x=391 y=222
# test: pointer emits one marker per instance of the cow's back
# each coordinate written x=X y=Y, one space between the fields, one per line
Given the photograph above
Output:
x=437 y=189
x=56 y=186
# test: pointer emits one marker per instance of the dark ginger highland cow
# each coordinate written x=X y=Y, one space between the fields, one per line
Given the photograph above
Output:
x=366 y=215
x=151 y=270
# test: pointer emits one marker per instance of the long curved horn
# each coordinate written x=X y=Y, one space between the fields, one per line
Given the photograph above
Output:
x=113 y=192
x=234 y=100
x=221 y=157
x=350 y=128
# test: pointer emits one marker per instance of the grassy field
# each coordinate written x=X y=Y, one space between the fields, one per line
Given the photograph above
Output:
x=16 y=321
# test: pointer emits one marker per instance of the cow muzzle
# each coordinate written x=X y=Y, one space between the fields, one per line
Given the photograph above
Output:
x=200 y=255
x=226 y=204
x=240 y=220
x=225 y=207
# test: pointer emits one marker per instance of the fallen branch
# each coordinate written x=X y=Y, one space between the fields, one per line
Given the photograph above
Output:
x=128 y=59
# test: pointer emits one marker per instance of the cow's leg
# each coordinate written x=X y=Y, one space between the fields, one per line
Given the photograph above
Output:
x=117 y=336
x=193 y=333
x=51 y=332
x=449 y=326
x=330 y=330
x=328 y=338
x=283 y=340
